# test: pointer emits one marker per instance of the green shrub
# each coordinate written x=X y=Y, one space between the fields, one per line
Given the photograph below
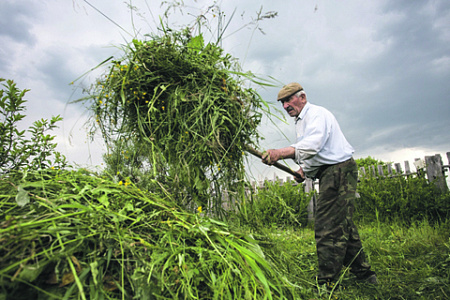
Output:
x=16 y=150
x=369 y=161
x=400 y=198
x=276 y=205
x=406 y=199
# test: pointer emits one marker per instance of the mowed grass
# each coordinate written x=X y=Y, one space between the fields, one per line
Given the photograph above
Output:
x=412 y=262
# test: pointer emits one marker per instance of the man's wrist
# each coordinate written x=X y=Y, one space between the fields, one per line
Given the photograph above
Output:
x=288 y=152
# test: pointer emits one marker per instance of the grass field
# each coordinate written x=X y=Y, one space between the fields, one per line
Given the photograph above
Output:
x=411 y=262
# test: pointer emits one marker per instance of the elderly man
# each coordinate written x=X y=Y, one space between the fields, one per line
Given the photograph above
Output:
x=323 y=153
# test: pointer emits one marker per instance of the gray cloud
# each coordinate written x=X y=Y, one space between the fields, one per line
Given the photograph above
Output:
x=386 y=82
x=16 y=19
x=382 y=67
x=412 y=94
x=16 y=22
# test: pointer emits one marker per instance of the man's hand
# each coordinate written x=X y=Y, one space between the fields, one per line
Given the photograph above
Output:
x=300 y=178
x=271 y=156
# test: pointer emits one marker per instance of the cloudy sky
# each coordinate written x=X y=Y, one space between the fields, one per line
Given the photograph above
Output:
x=382 y=67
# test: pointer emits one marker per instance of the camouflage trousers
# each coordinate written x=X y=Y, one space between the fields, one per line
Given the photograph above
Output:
x=337 y=239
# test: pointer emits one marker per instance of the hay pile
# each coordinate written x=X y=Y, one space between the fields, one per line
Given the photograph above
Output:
x=72 y=235
x=182 y=107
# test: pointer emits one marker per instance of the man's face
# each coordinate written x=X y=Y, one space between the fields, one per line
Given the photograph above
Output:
x=294 y=105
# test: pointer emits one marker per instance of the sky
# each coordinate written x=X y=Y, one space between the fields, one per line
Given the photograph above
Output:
x=381 y=67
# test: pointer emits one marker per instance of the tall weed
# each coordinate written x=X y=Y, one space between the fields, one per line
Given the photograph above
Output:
x=276 y=205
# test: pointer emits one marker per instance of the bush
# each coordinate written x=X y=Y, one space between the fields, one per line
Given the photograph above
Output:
x=402 y=198
x=276 y=205
x=16 y=151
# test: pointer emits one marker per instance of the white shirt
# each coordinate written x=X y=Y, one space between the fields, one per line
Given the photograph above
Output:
x=320 y=140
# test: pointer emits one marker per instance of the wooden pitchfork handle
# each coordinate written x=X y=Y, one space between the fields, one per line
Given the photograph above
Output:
x=276 y=164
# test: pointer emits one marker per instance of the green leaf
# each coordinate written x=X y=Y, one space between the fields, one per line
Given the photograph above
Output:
x=196 y=43
x=22 y=197
x=104 y=200
x=30 y=272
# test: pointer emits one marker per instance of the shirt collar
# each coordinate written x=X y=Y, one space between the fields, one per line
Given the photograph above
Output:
x=303 y=112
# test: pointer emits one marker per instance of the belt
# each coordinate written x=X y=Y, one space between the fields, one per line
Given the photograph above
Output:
x=324 y=167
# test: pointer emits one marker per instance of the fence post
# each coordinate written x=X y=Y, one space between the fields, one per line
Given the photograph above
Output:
x=309 y=187
x=407 y=168
x=448 y=157
x=398 y=168
x=362 y=172
x=380 y=171
x=389 y=166
x=434 y=171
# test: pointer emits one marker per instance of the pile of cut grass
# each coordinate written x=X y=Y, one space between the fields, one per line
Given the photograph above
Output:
x=67 y=234
x=184 y=109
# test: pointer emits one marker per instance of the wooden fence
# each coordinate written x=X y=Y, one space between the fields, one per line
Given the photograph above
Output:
x=431 y=167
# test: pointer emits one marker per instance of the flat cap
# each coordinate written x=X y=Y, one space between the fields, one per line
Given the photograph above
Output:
x=288 y=90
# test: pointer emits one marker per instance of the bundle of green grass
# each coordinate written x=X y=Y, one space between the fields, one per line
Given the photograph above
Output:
x=182 y=107
x=72 y=235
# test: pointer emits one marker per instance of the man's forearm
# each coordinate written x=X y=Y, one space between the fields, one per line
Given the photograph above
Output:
x=272 y=155
x=287 y=152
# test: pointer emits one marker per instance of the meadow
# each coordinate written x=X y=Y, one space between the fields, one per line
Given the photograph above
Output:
x=77 y=235
x=177 y=117
x=412 y=262
x=403 y=223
